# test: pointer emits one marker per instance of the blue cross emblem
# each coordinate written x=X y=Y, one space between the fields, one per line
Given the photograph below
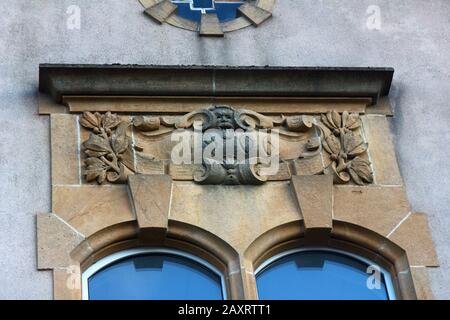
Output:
x=193 y=9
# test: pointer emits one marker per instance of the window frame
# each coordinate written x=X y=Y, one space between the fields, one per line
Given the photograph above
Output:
x=390 y=288
x=124 y=254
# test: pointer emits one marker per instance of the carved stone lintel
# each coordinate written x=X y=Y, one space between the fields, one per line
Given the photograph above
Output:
x=110 y=156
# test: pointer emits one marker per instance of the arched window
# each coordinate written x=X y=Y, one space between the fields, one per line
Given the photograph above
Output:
x=322 y=274
x=152 y=274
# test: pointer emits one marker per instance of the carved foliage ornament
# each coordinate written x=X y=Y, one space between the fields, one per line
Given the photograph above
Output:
x=109 y=149
x=345 y=145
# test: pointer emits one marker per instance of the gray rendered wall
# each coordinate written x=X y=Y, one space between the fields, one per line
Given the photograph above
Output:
x=414 y=39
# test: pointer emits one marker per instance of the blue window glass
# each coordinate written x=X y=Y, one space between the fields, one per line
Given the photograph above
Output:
x=318 y=275
x=193 y=9
x=154 y=277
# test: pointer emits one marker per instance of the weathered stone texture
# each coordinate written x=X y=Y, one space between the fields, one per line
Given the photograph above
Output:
x=147 y=165
x=419 y=96
x=414 y=236
x=237 y=214
x=151 y=200
x=254 y=13
x=161 y=11
x=381 y=150
x=210 y=25
x=314 y=196
x=92 y=208
x=309 y=166
x=376 y=208
x=67 y=283
x=422 y=283
x=55 y=241
x=65 y=149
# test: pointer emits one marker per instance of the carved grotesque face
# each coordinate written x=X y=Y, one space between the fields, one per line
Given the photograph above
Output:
x=224 y=117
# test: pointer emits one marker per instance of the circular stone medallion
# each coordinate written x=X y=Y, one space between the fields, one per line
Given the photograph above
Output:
x=209 y=17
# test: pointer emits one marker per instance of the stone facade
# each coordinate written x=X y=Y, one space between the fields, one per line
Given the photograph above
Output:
x=299 y=33
x=114 y=185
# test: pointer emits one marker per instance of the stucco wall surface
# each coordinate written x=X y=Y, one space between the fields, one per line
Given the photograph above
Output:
x=413 y=37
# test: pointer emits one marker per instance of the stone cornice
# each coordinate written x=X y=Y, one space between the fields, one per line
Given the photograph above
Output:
x=59 y=80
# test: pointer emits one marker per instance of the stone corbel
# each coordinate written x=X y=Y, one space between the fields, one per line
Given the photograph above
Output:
x=314 y=196
x=150 y=197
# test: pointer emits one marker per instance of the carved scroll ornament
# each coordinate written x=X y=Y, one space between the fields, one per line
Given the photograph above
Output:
x=226 y=118
x=109 y=150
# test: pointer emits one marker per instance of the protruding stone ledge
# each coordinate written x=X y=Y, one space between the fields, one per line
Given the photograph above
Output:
x=213 y=81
